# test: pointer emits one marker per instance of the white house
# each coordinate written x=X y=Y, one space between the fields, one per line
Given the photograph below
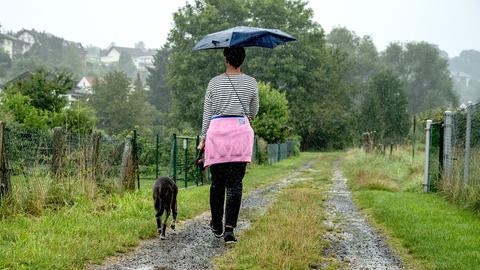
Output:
x=6 y=44
x=140 y=57
x=83 y=89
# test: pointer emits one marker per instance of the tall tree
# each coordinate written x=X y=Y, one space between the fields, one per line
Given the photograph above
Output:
x=118 y=105
x=157 y=80
x=385 y=108
x=46 y=89
x=125 y=64
x=307 y=70
x=109 y=99
x=425 y=73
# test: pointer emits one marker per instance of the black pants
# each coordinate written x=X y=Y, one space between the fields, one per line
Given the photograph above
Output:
x=226 y=176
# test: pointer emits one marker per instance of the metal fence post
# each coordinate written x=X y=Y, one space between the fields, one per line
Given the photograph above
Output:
x=185 y=165
x=135 y=158
x=279 y=157
x=197 y=169
x=447 y=144
x=428 y=141
x=156 y=157
x=466 y=160
x=174 y=157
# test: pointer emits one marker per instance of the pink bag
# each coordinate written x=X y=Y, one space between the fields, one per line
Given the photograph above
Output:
x=229 y=139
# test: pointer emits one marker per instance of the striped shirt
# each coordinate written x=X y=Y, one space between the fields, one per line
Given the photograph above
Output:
x=220 y=98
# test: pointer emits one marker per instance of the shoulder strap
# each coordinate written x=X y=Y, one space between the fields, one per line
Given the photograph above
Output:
x=243 y=107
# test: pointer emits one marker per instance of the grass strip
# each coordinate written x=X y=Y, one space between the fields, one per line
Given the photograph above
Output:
x=90 y=230
x=290 y=234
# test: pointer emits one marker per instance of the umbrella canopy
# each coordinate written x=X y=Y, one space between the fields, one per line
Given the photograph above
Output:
x=243 y=36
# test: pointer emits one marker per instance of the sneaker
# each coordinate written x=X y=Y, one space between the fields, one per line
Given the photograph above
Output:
x=216 y=231
x=229 y=238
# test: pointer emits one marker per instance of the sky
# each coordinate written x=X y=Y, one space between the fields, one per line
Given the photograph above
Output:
x=453 y=25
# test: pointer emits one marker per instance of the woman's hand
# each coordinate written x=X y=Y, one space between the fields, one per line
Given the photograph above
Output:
x=201 y=145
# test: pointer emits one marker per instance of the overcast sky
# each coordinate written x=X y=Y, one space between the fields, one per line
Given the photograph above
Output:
x=453 y=25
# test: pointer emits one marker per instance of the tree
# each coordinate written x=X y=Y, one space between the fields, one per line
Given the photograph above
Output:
x=79 y=118
x=160 y=91
x=425 y=74
x=118 y=106
x=385 y=108
x=308 y=71
x=141 y=109
x=125 y=64
x=271 y=123
x=46 y=89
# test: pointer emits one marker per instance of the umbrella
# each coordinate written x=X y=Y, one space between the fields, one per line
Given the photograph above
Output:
x=243 y=36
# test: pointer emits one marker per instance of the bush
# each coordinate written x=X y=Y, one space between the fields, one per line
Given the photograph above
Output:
x=272 y=119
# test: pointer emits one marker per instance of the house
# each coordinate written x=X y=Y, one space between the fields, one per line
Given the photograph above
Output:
x=6 y=44
x=140 y=57
x=462 y=77
x=82 y=90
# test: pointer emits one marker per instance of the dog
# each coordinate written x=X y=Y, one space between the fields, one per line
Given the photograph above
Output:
x=165 y=199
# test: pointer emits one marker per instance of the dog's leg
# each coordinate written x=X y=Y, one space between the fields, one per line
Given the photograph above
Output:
x=158 y=216
x=174 y=211
x=164 y=227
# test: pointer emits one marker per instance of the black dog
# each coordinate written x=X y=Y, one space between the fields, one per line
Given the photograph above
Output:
x=165 y=199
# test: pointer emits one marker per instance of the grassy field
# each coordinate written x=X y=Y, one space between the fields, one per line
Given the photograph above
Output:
x=289 y=235
x=429 y=232
x=91 y=229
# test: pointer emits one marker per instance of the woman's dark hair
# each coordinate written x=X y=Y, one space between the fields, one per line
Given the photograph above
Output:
x=234 y=56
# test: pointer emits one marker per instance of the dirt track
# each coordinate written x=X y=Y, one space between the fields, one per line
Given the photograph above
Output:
x=193 y=246
x=353 y=241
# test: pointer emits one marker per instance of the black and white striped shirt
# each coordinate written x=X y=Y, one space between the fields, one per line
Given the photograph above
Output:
x=220 y=98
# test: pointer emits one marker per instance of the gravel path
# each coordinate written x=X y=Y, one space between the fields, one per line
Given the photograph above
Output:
x=193 y=245
x=353 y=241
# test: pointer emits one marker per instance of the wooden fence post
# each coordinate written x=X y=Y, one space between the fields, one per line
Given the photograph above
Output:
x=127 y=170
x=57 y=151
x=5 y=184
x=96 y=138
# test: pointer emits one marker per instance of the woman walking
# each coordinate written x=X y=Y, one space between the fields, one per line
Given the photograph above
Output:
x=231 y=101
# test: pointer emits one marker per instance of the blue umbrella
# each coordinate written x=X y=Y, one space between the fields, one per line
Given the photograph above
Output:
x=243 y=36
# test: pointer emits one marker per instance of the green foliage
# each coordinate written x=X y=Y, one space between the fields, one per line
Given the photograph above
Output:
x=307 y=70
x=119 y=107
x=54 y=51
x=272 y=119
x=425 y=75
x=23 y=112
x=125 y=64
x=384 y=109
x=46 y=89
x=79 y=118
x=160 y=91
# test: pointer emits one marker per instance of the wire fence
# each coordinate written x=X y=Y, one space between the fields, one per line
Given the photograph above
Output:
x=454 y=155
x=53 y=167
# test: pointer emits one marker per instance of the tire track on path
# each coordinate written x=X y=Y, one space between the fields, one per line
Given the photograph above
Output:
x=354 y=242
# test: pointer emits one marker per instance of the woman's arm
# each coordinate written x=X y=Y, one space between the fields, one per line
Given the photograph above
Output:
x=207 y=112
x=254 y=103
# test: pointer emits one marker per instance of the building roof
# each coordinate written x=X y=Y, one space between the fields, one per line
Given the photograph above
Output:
x=90 y=79
x=3 y=36
x=134 y=52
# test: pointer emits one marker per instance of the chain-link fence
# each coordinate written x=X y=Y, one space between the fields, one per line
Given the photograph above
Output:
x=454 y=155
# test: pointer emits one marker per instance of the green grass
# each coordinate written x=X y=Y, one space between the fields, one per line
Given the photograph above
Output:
x=427 y=230
x=92 y=229
x=290 y=234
